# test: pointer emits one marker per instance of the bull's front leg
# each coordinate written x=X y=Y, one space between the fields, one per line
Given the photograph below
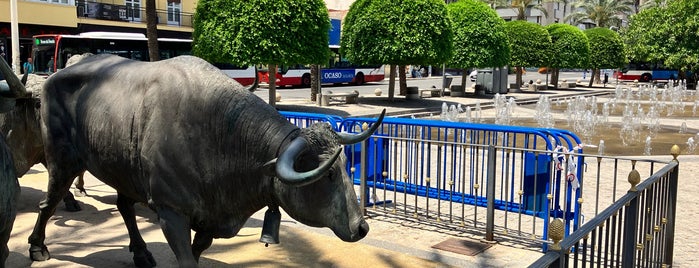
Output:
x=141 y=256
x=178 y=234
x=58 y=186
x=202 y=241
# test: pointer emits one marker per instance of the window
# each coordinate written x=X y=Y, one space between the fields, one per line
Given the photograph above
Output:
x=133 y=9
x=64 y=2
x=174 y=12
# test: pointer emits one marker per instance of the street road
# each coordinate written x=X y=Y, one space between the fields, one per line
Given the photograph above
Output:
x=427 y=82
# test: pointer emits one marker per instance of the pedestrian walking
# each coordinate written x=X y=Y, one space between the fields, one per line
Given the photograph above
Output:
x=28 y=66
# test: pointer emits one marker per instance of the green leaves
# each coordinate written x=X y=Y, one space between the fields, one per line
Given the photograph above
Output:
x=261 y=31
x=529 y=43
x=570 y=47
x=668 y=34
x=606 y=49
x=397 y=32
x=480 y=39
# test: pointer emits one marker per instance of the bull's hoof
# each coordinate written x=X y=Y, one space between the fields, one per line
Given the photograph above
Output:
x=73 y=206
x=39 y=253
x=79 y=193
x=144 y=261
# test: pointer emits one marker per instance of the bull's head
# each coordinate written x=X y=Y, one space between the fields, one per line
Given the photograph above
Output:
x=20 y=119
x=313 y=185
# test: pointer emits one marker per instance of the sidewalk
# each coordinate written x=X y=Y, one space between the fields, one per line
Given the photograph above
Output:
x=96 y=237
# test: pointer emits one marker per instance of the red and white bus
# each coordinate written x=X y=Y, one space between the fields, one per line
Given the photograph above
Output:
x=646 y=72
x=51 y=51
x=337 y=71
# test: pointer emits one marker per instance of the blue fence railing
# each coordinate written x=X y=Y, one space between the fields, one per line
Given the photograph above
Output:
x=430 y=161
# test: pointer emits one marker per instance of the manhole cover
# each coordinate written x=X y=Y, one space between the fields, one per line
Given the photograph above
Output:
x=461 y=246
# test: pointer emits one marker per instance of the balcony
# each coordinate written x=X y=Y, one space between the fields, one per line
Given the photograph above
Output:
x=114 y=12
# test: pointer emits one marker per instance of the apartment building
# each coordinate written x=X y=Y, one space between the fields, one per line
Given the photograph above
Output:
x=77 y=16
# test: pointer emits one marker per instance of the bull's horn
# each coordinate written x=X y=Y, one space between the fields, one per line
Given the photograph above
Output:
x=24 y=78
x=16 y=89
x=345 y=138
x=285 y=164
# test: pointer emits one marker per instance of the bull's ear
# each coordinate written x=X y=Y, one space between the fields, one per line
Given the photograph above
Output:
x=270 y=168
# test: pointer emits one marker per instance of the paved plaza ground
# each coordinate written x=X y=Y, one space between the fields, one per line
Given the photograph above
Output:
x=96 y=236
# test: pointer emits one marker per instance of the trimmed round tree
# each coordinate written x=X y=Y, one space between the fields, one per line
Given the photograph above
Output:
x=606 y=51
x=397 y=33
x=271 y=32
x=570 y=48
x=529 y=44
x=479 y=39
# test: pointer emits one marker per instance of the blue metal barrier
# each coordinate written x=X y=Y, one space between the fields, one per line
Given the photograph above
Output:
x=447 y=161
x=303 y=120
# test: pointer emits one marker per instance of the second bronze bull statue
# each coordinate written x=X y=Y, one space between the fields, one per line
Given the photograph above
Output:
x=203 y=152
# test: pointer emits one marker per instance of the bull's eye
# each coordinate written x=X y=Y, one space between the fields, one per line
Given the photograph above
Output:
x=37 y=105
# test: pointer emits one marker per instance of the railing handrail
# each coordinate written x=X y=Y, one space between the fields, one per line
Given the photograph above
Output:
x=348 y=122
x=567 y=243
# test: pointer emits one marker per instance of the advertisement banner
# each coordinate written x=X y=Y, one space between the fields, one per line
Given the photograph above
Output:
x=337 y=76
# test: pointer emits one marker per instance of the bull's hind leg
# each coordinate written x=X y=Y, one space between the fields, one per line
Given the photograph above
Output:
x=70 y=202
x=59 y=184
x=141 y=256
x=72 y=205
x=80 y=185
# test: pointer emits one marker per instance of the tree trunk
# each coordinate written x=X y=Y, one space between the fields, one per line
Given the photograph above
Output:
x=152 y=31
x=272 y=84
x=518 y=80
x=315 y=81
x=595 y=73
x=392 y=83
x=464 y=76
x=554 y=77
x=402 y=80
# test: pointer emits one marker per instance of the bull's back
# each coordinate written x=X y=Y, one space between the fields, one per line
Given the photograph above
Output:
x=116 y=117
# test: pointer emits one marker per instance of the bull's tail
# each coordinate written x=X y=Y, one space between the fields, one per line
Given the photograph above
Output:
x=257 y=82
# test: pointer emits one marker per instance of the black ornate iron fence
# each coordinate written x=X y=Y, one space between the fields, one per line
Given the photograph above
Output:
x=637 y=230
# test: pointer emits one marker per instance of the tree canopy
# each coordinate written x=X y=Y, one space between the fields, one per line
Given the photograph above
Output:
x=606 y=48
x=529 y=43
x=261 y=31
x=667 y=34
x=570 y=47
x=646 y=36
x=480 y=39
x=397 y=32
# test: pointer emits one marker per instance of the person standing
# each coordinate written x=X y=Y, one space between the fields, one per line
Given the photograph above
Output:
x=28 y=66
x=50 y=65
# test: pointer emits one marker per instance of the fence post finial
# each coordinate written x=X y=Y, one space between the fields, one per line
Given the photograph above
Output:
x=556 y=229
x=675 y=151
x=634 y=179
